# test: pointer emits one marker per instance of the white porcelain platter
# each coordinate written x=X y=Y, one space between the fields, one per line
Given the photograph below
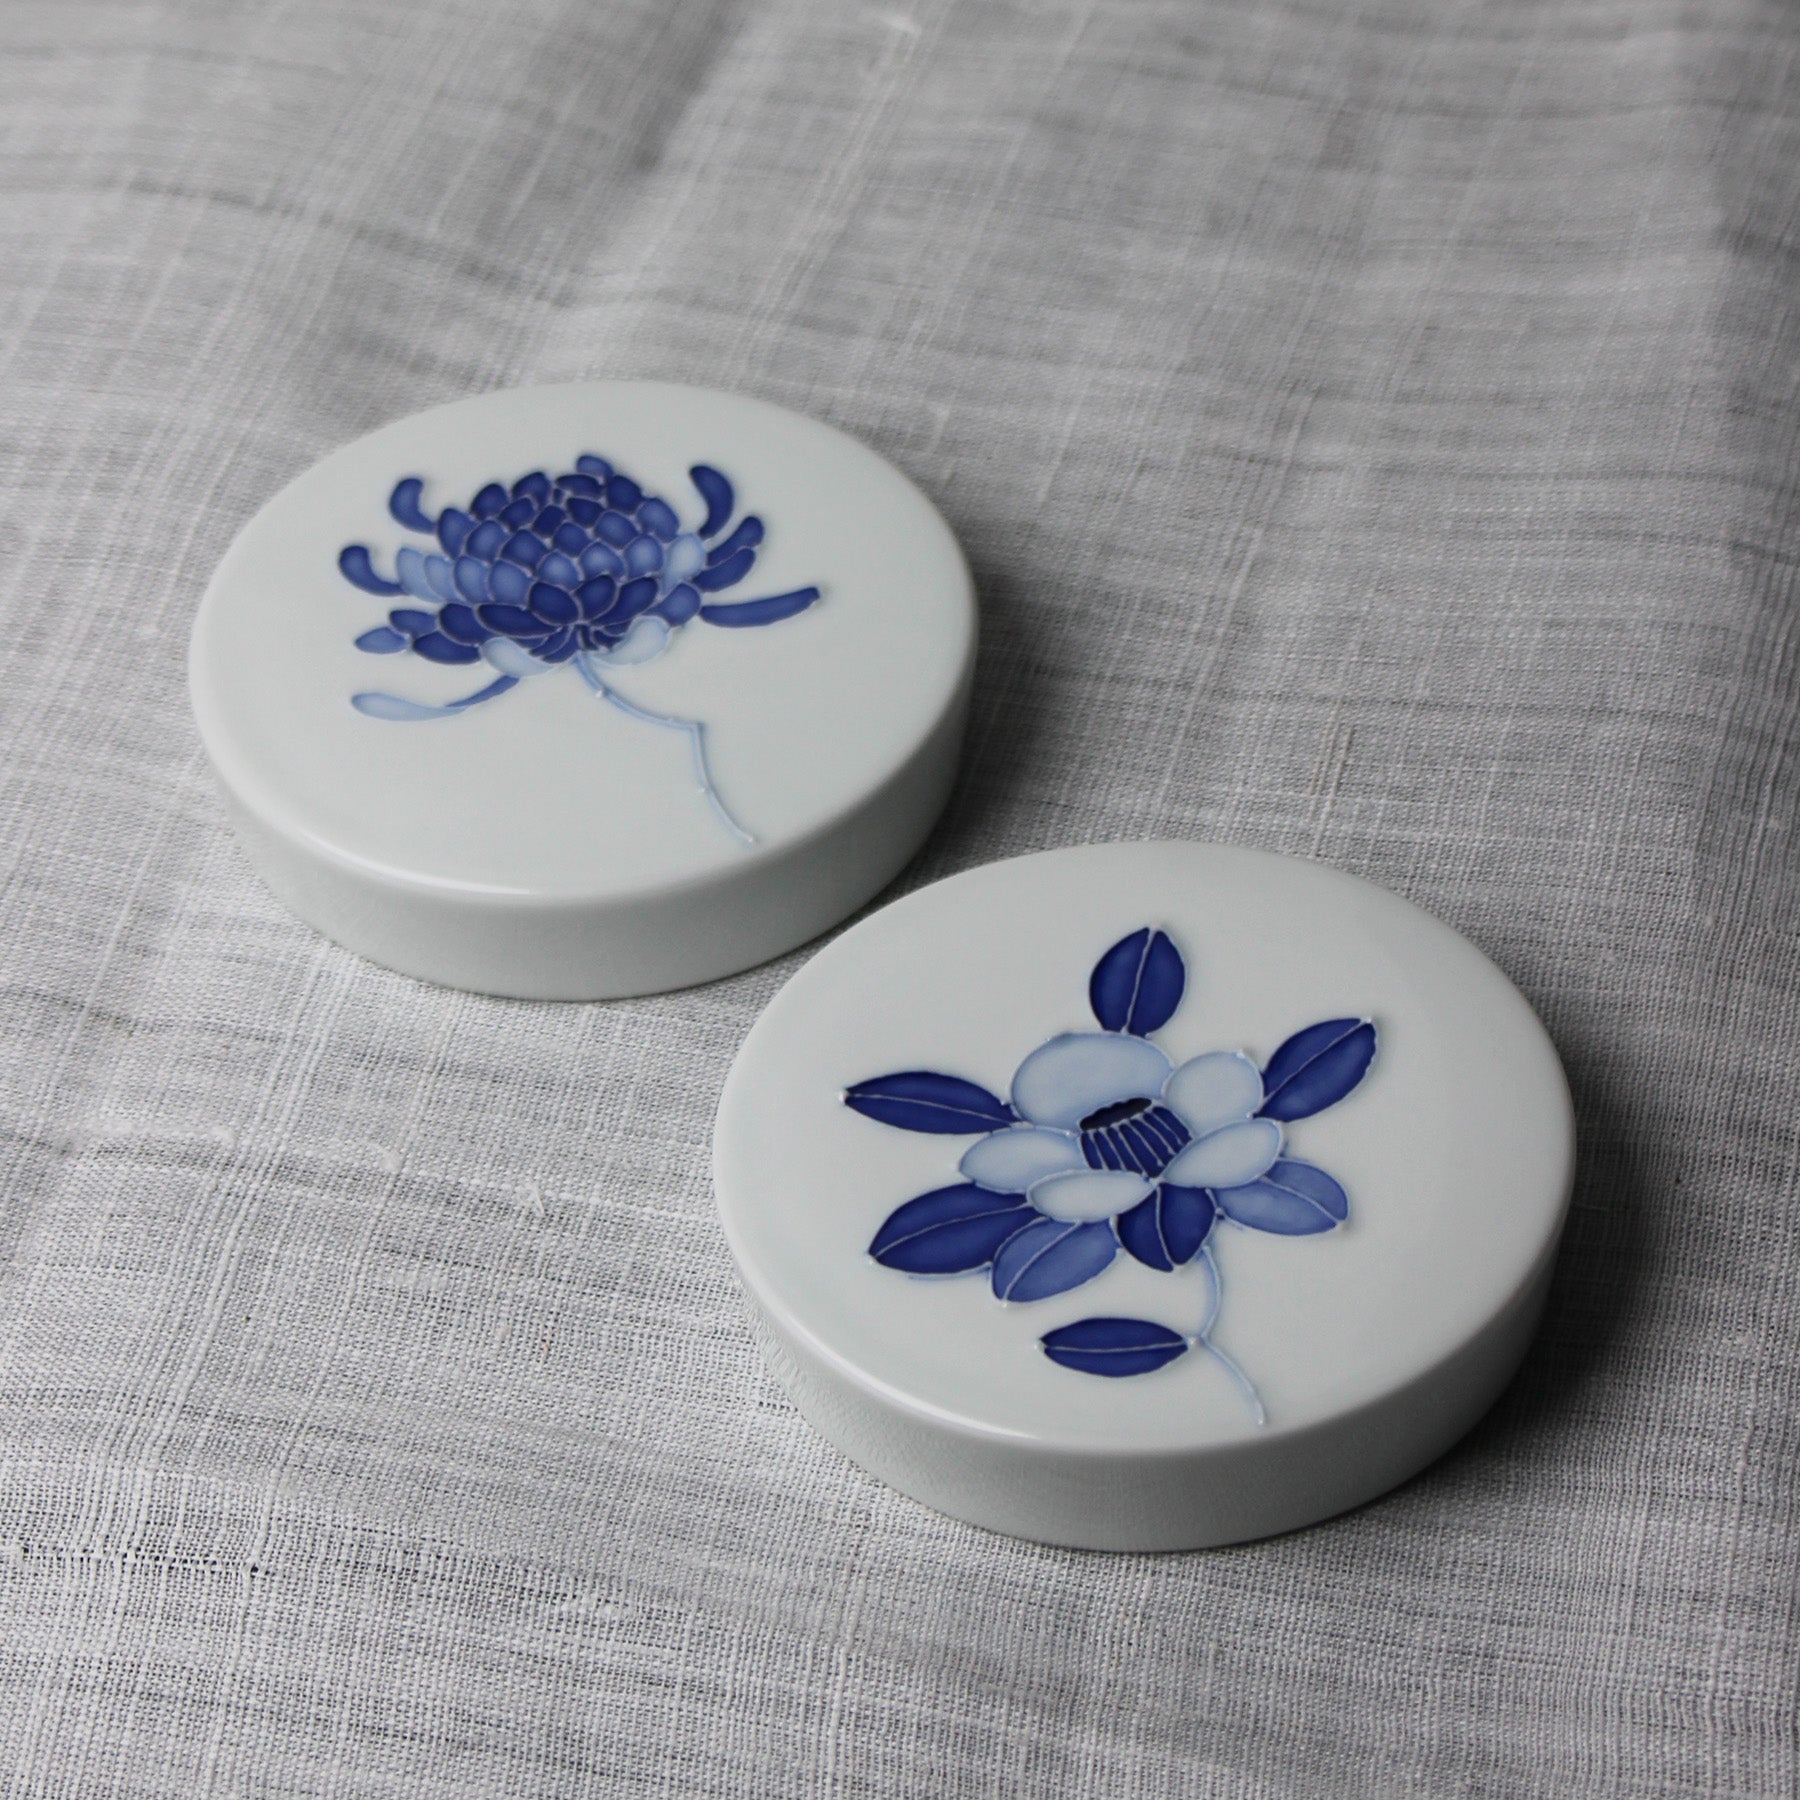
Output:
x=1145 y=1196
x=572 y=692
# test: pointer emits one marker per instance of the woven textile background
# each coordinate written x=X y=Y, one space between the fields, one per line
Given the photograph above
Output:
x=1374 y=429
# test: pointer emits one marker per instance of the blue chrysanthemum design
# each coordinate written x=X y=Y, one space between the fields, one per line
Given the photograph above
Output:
x=583 y=568
x=1106 y=1145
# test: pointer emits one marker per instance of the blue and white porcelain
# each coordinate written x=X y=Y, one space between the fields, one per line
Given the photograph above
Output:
x=582 y=691
x=1145 y=1195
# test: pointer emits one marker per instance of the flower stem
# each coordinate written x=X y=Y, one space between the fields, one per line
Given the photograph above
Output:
x=1203 y=1338
x=694 y=730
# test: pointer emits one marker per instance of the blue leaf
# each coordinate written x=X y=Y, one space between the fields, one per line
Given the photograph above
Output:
x=1050 y=1256
x=403 y=503
x=384 y=640
x=760 y=612
x=353 y=561
x=1168 y=1229
x=1293 y=1200
x=950 y=1231
x=1137 y=985
x=1113 y=1346
x=921 y=1100
x=1317 y=1067
x=715 y=490
x=725 y=574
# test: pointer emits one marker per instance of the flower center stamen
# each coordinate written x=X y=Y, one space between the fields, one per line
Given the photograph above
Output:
x=1136 y=1134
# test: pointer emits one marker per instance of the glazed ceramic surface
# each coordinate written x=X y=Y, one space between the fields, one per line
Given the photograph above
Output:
x=586 y=690
x=1145 y=1195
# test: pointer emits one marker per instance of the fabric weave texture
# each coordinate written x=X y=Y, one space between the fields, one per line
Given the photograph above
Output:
x=1373 y=428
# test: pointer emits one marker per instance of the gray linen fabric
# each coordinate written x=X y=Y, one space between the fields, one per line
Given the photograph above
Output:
x=1374 y=430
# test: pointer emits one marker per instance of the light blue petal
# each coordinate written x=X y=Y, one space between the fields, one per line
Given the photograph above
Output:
x=1214 y=1090
x=409 y=565
x=648 y=638
x=685 y=557
x=1082 y=1071
x=1092 y=1194
x=1229 y=1157
x=1008 y=1162
x=510 y=658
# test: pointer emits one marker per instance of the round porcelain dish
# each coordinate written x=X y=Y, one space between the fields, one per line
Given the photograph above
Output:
x=575 y=692
x=1145 y=1196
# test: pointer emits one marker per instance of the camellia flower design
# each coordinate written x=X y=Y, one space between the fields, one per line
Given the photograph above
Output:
x=583 y=568
x=1106 y=1145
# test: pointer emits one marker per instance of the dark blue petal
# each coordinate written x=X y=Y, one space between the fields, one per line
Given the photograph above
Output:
x=440 y=649
x=549 y=522
x=643 y=556
x=571 y=540
x=507 y=583
x=616 y=528
x=519 y=512
x=1168 y=1229
x=635 y=597
x=558 y=649
x=1113 y=1346
x=459 y=621
x=526 y=549
x=553 y=604
x=747 y=536
x=678 y=605
x=1293 y=1200
x=586 y=484
x=950 y=1231
x=658 y=518
x=622 y=492
x=486 y=540
x=534 y=487
x=760 y=612
x=602 y=559
x=1317 y=1067
x=489 y=501
x=1052 y=1256
x=353 y=562
x=1137 y=985
x=384 y=641
x=726 y=574
x=403 y=503
x=715 y=490
x=596 y=597
x=412 y=620
x=558 y=570
x=922 y=1100
x=595 y=466
x=584 y=512
x=513 y=622
x=453 y=530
